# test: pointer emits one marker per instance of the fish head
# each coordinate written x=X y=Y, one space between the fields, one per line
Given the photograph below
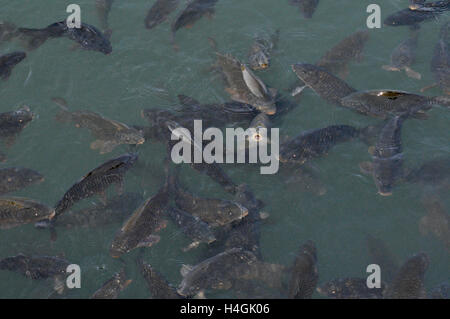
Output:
x=310 y=74
x=383 y=181
x=290 y=152
x=229 y=211
x=259 y=61
x=23 y=116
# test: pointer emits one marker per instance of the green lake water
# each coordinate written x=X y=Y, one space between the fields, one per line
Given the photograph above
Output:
x=144 y=71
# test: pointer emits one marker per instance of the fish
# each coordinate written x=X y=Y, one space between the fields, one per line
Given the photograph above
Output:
x=436 y=222
x=408 y=17
x=108 y=133
x=338 y=57
x=380 y=255
x=103 y=7
x=87 y=36
x=159 y=12
x=423 y=6
x=13 y=122
x=140 y=229
x=314 y=143
x=193 y=12
x=16 y=178
x=387 y=159
x=386 y=103
x=8 y=31
x=350 y=288
x=9 y=61
x=304 y=275
x=217 y=174
x=35 y=267
x=404 y=56
x=261 y=49
x=409 y=281
x=97 y=181
x=16 y=211
x=262 y=124
x=237 y=88
x=157 y=284
x=112 y=287
x=440 y=63
x=307 y=7
x=216 y=272
x=192 y=226
x=434 y=173
x=115 y=210
x=323 y=83
x=302 y=179
x=215 y=212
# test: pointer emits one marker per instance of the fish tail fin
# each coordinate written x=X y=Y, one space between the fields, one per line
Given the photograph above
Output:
x=442 y=100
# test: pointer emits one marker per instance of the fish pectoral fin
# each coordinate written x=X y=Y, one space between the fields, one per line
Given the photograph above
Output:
x=185 y=269
x=366 y=167
x=149 y=241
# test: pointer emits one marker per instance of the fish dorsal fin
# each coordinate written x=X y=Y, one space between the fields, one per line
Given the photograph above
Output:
x=185 y=270
x=135 y=217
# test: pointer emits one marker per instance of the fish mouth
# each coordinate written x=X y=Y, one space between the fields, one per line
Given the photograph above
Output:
x=141 y=141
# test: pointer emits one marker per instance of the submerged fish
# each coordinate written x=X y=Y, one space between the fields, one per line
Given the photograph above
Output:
x=436 y=222
x=112 y=288
x=315 y=143
x=97 y=181
x=440 y=63
x=434 y=173
x=217 y=272
x=384 y=103
x=9 y=61
x=441 y=292
x=16 y=211
x=140 y=229
x=192 y=226
x=35 y=267
x=159 y=12
x=260 y=51
x=103 y=7
x=88 y=36
x=410 y=17
x=304 y=276
x=8 y=31
x=12 y=123
x=157 y=284
x=108 y=133
x=115 y=210
x=409 y=281
x=15 y=178
x=404 y=56
x=323 y=83
x=387 y=159
x=193 y=12
x=215 y=212
x=350 y=288
x=380 y=255
x=307 y=7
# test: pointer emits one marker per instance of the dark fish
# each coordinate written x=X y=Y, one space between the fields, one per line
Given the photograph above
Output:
x=88 y=36
x=193 y=12
x=97 y=181
x=304 y=276
x=337 y=58
x=113 y=287
x=16 y=211
x=9 y=61
x=380 y=255
x=384 y=103
x=141 y=227
x=216 y=272
x=404 y=56
x=260 y=51
x=16 y=178
x=315 y=143
x=115 y=210
x=350 y=288
x=436 y=222
x=435 y=173
x=103 y=8
x=38 y=267
x=307 y=7
x=215 y=212
x=440 y=63
x=423 y=6
x=157 y=284
x=408 y=283
x=410 y=17
x=12 y=123
x=326 y=85
x=108 y=133
x=387 y=159
x=160 y=12
x=192 y=226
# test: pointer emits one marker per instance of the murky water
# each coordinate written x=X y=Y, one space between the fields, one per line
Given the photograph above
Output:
x=144 y=71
